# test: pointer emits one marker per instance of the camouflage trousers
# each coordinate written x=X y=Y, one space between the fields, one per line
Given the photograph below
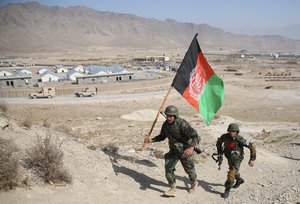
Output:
x=171 y=159
x=233 y=173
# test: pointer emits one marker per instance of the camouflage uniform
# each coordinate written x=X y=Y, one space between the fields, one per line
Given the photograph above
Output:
x=233 y=148
x=181 y=136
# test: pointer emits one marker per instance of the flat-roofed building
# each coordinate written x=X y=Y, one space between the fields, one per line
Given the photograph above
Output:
x=16 y=81
x=104 y=78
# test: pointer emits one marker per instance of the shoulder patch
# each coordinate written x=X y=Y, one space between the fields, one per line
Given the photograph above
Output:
x=248 y=142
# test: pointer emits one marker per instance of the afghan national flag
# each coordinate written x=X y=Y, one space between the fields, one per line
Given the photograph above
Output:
x=198 y=84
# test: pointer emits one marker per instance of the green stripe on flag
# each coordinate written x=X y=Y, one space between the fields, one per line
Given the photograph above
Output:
x=211 y=98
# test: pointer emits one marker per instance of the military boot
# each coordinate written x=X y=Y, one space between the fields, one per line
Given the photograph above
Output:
x=238 y=182
x=171 y=192
x=226 y=193
x=193 y=186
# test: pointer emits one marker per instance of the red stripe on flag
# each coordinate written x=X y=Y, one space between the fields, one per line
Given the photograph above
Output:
x=191 y=100
x=198 y=79
x=207 y=68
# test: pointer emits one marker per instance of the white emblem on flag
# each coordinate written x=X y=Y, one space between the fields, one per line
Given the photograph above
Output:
x=197 y=82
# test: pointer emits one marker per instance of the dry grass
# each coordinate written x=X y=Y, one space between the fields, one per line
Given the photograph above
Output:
x=9 y=165
x=68 y=130
x=46 y=158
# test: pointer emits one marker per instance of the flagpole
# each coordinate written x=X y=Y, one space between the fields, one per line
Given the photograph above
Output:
x=156 y=118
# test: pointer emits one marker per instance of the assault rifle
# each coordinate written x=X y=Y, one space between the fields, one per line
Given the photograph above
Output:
x=218 y=160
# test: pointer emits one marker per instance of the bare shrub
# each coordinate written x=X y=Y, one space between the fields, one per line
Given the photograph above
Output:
x=46 y=158
x=3 y=106
x=9 y=165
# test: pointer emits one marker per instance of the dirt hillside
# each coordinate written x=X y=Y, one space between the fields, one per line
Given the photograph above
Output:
x=101 y=138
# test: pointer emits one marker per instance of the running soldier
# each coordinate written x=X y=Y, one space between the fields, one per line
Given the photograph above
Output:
x=232 y=145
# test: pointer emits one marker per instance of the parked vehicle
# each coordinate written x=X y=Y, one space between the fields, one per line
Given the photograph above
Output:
x=44 y=92
x=86 y=92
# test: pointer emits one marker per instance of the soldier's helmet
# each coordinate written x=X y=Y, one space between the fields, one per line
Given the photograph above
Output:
x=172 y=110
x=233 y=127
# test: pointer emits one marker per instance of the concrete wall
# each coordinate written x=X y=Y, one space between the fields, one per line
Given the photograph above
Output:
x=72 y=89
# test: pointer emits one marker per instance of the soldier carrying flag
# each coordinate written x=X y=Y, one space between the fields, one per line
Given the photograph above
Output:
x=203 y=89
x=183 y=139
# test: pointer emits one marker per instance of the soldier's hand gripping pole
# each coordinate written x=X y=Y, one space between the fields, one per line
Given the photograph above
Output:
x=156 y=118
x=219 y=159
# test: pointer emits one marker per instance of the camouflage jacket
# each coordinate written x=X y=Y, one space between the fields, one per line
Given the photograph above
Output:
x=234 y=147
x=180 y=134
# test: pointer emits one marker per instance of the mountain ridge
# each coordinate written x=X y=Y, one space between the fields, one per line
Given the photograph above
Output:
x=33 y=26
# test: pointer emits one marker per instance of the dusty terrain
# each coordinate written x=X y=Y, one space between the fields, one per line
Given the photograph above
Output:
x=268 y=113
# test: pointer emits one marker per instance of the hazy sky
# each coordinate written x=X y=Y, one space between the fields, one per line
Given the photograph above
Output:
x=216 y=13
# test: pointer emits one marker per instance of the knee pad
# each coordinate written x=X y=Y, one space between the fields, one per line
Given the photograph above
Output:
x=230 y=178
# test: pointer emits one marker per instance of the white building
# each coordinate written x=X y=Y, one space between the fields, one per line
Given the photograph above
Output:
x=48 y=77
x=42 y=71
x=78 y=68
x=24 y=71
x=72 y=74
x=61 y=70
x=5 y=73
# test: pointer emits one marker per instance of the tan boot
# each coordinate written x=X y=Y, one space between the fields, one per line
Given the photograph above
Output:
x=171 y=192
x=193 y=187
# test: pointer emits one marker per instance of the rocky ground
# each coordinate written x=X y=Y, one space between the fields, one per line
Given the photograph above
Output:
x=101 y=138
